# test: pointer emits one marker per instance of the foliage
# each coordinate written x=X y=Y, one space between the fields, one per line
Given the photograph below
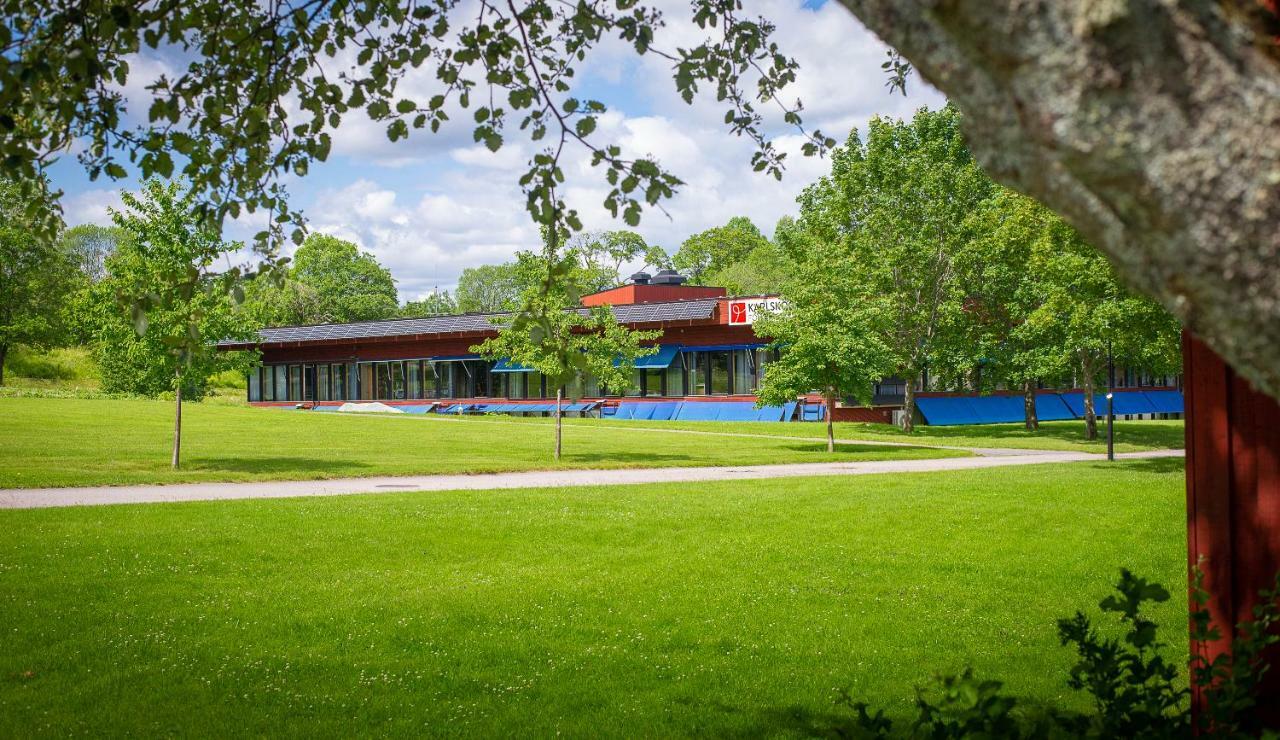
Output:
x=168 y=263
x=349 y=284
x=268 y=84
x=489 y=289
x=605 y=252
x=435 y=303
x=63 y=364
x=566 y=344
x=1135 y=690
x=276 y=299
x=1229 y=681
x=716 y=249
x=830 y=336
x=897 y=204
x=36 y=278
x=90 y=245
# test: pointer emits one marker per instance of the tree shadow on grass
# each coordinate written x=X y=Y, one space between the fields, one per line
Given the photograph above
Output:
x=273 y=465
x=1142 y=465
x=1127 y=432
x=625 y=457
x=857 y=451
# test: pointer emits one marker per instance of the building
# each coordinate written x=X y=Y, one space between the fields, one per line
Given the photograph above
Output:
x=708 y=366
x=708 y=351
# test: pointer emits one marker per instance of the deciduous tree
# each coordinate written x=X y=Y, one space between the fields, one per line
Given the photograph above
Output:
x=349 y=285
x=567 y=345
x=36 y=278
x=703 y=254
x=829 y=337
x=435 y=303
x=165 y=302
x=898 y=202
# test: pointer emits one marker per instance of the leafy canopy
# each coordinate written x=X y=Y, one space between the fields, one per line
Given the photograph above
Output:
x=566 y=343
x=169 y=265
x=266 y=85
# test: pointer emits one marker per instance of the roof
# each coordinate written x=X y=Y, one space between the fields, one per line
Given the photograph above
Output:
x=639 y=313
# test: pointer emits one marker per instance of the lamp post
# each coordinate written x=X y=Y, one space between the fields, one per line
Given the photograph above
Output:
x=1111 y=415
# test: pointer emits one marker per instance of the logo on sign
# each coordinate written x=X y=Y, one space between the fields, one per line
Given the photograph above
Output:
x=745 y=311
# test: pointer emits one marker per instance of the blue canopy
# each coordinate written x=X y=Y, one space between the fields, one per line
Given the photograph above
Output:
x=506 y=365
x=659 y=360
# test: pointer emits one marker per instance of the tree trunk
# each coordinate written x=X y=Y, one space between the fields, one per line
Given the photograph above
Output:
x=830 y=400
x=1156 y=90
x=177 y=418
x=1090 y=413
x=1029 y=405
x=4 y=351
x=909 y=404
x=559 y=415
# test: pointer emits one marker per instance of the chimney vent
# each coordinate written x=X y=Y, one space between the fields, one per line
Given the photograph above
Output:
x=640 y=278
x=669 y=277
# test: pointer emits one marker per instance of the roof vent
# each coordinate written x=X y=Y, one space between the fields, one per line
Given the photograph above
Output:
x=669 y=277
x=640 y=278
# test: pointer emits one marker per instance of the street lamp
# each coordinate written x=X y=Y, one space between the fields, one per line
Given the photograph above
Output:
x=1111 y=414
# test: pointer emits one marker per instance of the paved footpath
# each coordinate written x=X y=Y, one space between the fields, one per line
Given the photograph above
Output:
x=31 y=498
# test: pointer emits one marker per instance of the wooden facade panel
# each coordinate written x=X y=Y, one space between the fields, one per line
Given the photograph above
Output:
x=1233 y=494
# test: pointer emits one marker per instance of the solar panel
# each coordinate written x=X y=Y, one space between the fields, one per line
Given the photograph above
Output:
x=469 y=323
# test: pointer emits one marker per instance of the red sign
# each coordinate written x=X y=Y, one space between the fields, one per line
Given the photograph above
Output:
x=738 y=313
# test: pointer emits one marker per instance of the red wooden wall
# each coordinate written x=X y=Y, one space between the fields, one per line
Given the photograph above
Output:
x=1233 y=494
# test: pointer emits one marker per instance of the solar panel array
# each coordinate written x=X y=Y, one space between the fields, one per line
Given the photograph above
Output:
x=628 y=314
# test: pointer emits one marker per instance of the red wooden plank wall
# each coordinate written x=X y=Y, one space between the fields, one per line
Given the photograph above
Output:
x=1233 y=494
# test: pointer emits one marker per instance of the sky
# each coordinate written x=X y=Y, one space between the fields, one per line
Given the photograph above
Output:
x=433 y=205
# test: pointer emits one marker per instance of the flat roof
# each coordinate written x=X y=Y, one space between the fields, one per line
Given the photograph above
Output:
x=637 y=313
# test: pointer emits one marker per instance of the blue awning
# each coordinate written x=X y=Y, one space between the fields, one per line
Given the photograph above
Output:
x=723 y=347
x=506 y=365
x=659 y=360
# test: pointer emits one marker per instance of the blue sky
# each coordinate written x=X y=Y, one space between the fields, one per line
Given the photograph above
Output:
x=432 y=206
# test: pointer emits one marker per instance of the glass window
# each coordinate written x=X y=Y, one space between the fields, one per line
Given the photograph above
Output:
x=633 y=385
x=397 y=380
x=591 y=387
x=743 y=377
x=255 y=385
x=675 y=377
x=322 y=383
x=479 y=375
x=339 y=380
x=309 y=382
x=720 y=365
x=653 y=382
x=367 y=387
x=268 y=384
x=533 y=386
x=295 y=383
x=281 y=373
x=697 y=364
x=413 y=379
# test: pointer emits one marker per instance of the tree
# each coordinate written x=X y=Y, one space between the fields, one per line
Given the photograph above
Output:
x=435 y=303
x=1097 y=317
x=36 y=278
x=90 y=245
x=715 y=249
x=898 y=203
x=567 y=345
x=607 y=251
x=489 y=289
x=273 y=299
x=830 y=336
x=349 y=284
x=997 y=333
x=167 y=264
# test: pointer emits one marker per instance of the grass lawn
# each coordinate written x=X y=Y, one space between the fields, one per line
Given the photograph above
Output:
x=70 y=442
x=1131 y=436
x=725 y=609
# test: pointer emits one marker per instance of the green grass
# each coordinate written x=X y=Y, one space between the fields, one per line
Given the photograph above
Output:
x=63 y=368
x=726 y=609
x=74 y=442
x=1131 y=436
